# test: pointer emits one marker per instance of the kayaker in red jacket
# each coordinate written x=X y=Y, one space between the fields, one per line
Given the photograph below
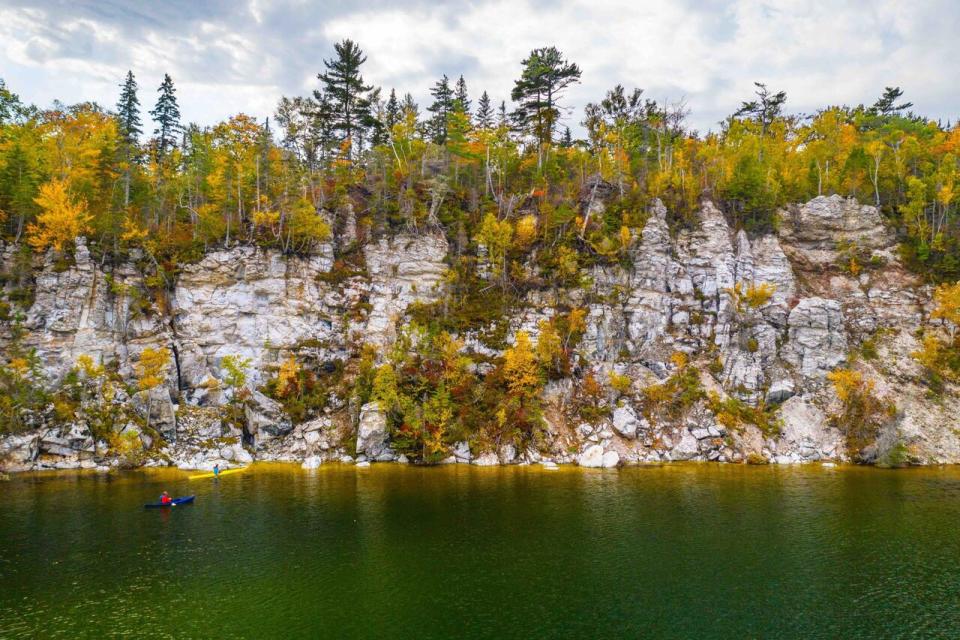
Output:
x=165 y=498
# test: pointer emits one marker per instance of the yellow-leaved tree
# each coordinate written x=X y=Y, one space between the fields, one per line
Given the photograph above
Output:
x=520 y=368
x=152 y=367
x=947 y=298
x=61 y=218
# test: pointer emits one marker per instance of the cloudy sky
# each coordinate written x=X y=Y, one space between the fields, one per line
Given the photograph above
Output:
x=227 y=56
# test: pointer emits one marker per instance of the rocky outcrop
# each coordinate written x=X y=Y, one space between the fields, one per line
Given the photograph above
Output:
x=372 y=434
x=84 y=309
x=68 y=447
x=817 y=231
x=254 y=304
x=265 y=419
x=403 y=270
x=831 y=272
x=158 y=411
x=817 y=341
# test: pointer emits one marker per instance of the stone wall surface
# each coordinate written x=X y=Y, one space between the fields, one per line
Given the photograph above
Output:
x=678 y=293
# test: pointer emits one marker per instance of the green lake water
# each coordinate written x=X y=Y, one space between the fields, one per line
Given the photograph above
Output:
x=683 y=551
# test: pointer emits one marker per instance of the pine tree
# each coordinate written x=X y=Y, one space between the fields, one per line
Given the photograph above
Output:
x=128 y=119
x=442 y=105
x=343 y=85
x=567 y=141
x=128 y=111
x=460 y=95
x=393 y=111
x=484 y=112
x=764 y=111
x=887 y=103
x=502 y=120
x=546 y=74
x=167 y=116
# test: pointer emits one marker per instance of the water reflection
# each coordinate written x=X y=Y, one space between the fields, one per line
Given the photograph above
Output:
x=676 y=551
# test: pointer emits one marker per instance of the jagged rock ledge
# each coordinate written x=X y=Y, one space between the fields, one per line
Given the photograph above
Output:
x=675 y=297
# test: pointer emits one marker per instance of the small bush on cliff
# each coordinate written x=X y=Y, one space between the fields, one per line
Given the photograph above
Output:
x=302 y=391
x=862 y=414
x=433 y=395
x=734 y=414
x=671 y=400
x=940 y=355
x=22 y=384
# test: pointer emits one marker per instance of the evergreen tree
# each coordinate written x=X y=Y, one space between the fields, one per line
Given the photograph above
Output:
x=484 y=112
x=320 y=136
x=167 y=116
x=343 y=85
x=567 y=140
x=393 y=113
x=764 y=111
x=10 y=106
x=460 y=95
x=442 y=105
x=128 y=110
x=128 y=119
x=502 y=120
x=546 y=74
x=887 y=104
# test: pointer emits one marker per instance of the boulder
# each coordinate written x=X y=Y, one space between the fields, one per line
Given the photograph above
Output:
x=69 y=442
x=372 y=432
x=311 y=462
x=487 y=459
x=610 y=459
x=18 y=451
x=780 y=391
x=626 y=422
x=806 y=434
x=265 y=418
x=592 y=456
x=461 y=451
x=156 y=407
x=686 y=448
x=815 y=229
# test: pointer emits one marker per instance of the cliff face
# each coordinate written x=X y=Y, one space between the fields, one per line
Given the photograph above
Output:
x=679 y=294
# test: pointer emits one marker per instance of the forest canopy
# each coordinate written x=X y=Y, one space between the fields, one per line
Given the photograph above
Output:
x=506 y=176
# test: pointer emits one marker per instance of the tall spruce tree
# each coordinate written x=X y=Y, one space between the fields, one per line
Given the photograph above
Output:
x=460 y=95
x=545 y=76
x=128 y=119
x=167 y=116
x=484 y=112
x=393 y=112
x=442 y=105
x=343 y=85
x=128 y=111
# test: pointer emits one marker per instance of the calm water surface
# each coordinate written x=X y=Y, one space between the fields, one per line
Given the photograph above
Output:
x=685 y=551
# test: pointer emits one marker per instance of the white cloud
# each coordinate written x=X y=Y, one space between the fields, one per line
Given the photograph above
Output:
x=226 y=59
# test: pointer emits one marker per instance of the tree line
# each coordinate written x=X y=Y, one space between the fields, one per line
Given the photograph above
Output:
x=498 y=179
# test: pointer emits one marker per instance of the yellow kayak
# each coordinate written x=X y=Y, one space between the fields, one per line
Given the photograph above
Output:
x=222 y=473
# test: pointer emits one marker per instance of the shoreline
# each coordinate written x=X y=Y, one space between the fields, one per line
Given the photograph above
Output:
x=263 y=465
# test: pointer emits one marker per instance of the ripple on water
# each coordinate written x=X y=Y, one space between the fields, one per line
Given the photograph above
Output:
x=680 y=551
